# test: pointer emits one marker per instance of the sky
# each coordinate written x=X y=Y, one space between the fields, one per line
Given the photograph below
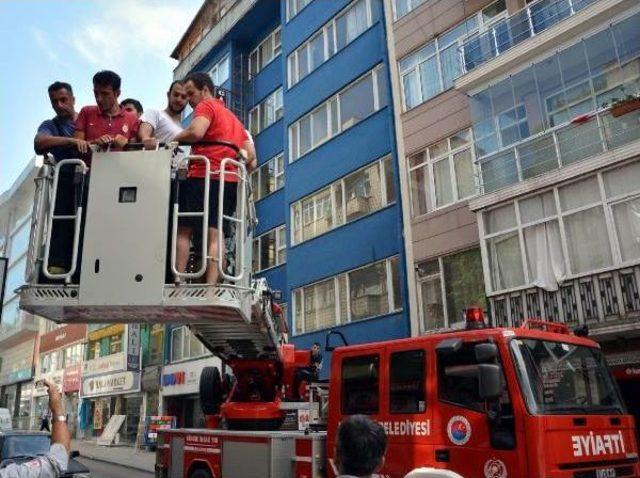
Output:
x=42 y=41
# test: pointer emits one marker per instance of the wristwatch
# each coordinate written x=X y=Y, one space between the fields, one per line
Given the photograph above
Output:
x=59 y=418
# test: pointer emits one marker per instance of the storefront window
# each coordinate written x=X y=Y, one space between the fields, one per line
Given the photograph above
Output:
x=115 y=344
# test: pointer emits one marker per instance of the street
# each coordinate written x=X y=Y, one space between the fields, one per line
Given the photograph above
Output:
x=101 y=469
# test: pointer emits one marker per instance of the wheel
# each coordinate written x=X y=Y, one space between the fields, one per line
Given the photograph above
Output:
x=211 y=390
x=200 y=473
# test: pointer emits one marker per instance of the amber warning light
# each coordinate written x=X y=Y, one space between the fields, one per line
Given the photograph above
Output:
x=475 y=318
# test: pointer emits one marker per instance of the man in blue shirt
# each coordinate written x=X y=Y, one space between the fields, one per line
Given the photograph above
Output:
x=55 y=136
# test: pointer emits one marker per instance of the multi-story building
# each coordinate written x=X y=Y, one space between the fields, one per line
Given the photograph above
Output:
x=18 y=329
x=180 y=382
x=60 y=356
x=311 y=81
x=524 y=177
x=111 y=380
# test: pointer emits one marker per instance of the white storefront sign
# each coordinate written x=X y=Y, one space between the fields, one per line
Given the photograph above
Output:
x=110 y=384
x=109 y=363
x=184 y=378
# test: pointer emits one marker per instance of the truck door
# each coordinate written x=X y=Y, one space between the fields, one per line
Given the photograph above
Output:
x=405 y=414
x=477 y=436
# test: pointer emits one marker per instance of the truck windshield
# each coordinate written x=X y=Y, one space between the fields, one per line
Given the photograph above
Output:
x=561 y=378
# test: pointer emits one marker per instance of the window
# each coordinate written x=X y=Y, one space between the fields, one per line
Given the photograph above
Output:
x=265 y=52
x=573 y=229
x=458 y=381
x=354 y=103
x=433 y=68
x=19 y=241
x=52 y=361
x=268 y=177
x=407 y=382
x=331 y=38
x=294 y=7
x=267 y=112
x=547 y=96
x=73 y=355
x=402 y=7
x=447 y=286
x=442 y=174
x=360 y=385
x=361 y=293
x=185 y=345
x=14 y=278
x=11 y=312
x=362 y=192
x=156 y=344
x=219 y=73
x=115 y=344
x=270 y=249
x=177 y=348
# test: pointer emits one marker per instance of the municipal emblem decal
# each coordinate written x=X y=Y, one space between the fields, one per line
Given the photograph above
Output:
x=459 y=430
x=495 y=468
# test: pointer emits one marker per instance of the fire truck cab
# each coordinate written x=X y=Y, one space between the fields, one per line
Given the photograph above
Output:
x=533 y=402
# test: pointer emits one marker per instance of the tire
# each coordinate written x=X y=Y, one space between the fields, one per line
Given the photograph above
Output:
x=211 y=390
x=200 y=473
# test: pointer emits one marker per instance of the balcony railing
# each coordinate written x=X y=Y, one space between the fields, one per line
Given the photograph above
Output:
x=505 y=34
x=598 y=300
x=584 y=137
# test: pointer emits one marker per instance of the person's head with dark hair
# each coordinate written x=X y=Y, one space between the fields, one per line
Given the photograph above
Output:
x=106 y=89
x=360 y=446
x=199 y=87
x=60 y=85
x=176 y=97
x=132 y=106
x=62 y=100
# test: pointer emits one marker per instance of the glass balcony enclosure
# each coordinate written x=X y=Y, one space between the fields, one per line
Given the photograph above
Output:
x=534 y=121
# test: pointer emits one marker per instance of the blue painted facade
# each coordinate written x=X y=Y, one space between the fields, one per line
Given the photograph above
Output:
x=357 y=243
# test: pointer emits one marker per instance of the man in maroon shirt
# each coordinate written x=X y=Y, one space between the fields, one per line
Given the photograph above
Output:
x=107 y=123
x=212 y=121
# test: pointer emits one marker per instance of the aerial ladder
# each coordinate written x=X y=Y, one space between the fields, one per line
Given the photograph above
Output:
x=123 y=270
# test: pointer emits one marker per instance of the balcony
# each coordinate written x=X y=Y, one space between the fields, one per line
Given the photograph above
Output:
x=26 y=326
x=608 y=303
x=591 y=136
x=545 y=23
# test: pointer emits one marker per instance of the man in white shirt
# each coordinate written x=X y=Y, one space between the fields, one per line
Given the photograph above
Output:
x=162 y=126
x=55 y=463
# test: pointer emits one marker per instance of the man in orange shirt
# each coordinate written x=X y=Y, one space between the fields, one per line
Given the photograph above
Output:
x=212 y=121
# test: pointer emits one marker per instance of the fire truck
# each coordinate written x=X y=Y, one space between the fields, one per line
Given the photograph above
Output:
x=476 y=401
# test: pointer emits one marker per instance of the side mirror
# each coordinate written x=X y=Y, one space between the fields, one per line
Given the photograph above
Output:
x=486 y=352
x=74 y=454
x=489 y=381
x=327 y=342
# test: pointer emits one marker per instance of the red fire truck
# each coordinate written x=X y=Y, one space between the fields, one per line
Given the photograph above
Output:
x=531 y=401
x=534 y=401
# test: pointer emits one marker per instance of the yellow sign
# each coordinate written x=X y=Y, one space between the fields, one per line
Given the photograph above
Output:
x=106 y=332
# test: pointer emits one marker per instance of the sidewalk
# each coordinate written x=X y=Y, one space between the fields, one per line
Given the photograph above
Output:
x=119 y=455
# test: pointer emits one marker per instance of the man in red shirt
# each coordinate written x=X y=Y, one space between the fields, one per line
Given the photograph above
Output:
x=212 y=121
x=107 y=123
